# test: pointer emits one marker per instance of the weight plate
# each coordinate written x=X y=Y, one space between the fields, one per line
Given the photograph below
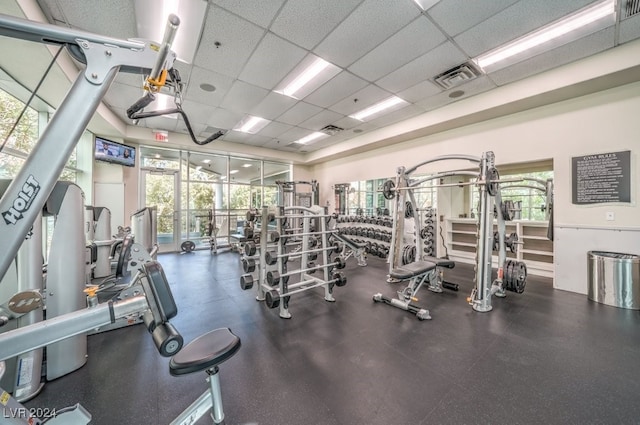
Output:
x=492 y=185
x=388 y=190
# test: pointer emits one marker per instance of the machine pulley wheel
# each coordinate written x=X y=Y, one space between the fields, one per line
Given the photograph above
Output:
x=492 y=185
x=388 y=189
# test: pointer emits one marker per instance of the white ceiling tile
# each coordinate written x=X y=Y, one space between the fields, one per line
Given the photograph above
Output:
x=224 y=118
x=423 y=68
x=300 y=112
x=318 y=121
x=246 y=138
x=513 y=22
x=347 y=123
x=122 y=96
x=396 y=116
x=412 y=41
x=419 y=91
x=295 y=133
x=369 y=25
x=307 y=22
x=274 y=144
x=114 y=19
x=160 y=123
x=271 y=62
x=222 y=83
x=454 y=19
x=259 y=12
x=365 y=98
x=336 y=89
x=275 y=129
x=238 y=40
x=197 y=112
x=272 y=106
x=243 y=96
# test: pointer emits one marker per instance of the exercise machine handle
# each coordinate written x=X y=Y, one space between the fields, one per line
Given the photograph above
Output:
x=173 y=22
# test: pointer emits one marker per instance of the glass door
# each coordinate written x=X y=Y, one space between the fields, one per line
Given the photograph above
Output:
x=160 y=189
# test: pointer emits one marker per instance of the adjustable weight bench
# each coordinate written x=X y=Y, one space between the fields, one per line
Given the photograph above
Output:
x=417 y=273
x=356 y=249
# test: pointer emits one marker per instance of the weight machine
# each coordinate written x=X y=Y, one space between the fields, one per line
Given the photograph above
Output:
x=26 y=195
x=403 y=266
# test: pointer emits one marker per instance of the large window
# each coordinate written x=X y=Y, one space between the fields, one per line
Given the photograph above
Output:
x=531 y=201
x=216 y=188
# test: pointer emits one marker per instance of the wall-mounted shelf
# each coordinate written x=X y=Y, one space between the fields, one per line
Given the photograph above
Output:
x=536 y=250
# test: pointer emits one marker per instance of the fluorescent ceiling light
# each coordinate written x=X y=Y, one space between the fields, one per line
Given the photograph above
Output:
x=162 y=102
x=425 y=4
x=251 y=124
x=561 y=32
x=247 y=165
x=307 y=77
x=233 y=171
x=378 y=107
x=223 y=177
x=311 y=137
x=206 y=161
x=199 y=167
x=151 y=20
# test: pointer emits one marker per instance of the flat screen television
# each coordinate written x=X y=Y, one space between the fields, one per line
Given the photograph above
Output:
x=114 y=152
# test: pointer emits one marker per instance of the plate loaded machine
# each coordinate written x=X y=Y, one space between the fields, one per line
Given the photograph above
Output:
x=268 y=259
x=428 y=269
x=413 y=239
x=26 y=195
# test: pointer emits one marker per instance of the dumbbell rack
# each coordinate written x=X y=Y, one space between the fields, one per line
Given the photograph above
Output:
x=278 y=247
x=375 y=231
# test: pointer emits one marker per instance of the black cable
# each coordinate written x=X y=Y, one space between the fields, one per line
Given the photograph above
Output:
x=134 y=110
x=33 y=94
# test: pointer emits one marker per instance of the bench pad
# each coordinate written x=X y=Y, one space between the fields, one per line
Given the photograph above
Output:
x=410 y=270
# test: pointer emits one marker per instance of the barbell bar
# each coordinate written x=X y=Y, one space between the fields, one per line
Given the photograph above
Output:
x=273 y=277
x=271 y=257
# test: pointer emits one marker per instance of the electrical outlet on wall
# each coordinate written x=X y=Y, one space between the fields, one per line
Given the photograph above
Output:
x=610 y=215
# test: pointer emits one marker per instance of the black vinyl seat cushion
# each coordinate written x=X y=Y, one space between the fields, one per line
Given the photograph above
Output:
x=205 y=352
x=410 y=270
x=441 y=262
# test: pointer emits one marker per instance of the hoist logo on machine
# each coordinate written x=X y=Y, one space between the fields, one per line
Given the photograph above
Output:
x=25 y=198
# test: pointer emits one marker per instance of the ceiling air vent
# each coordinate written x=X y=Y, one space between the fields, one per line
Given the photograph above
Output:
x=331 y=130
x=457 y=76
x=632 y=8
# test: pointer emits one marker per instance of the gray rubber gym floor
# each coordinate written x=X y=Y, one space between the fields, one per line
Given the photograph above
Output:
x=543 y=357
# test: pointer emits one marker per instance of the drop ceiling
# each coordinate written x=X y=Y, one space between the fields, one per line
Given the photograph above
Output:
x=382 y=48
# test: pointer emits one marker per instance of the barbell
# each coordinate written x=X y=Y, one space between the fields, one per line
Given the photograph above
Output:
x=271 y=257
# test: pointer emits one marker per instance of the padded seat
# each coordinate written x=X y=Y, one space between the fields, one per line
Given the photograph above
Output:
x=205 y=352
x=441 y=262
x=412 y=269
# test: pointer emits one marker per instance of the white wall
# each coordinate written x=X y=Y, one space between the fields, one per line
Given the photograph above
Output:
x=597 y=123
